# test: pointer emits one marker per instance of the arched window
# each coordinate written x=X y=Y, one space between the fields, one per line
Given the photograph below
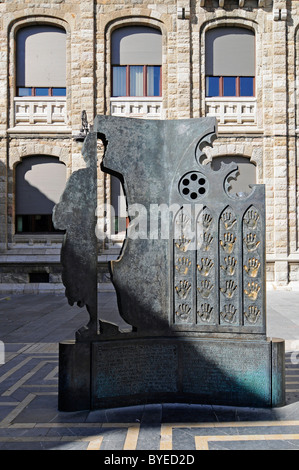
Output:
x=230 y=62
x=40 y=181
x=136 y=59
x=41 y=61
x=246 y=173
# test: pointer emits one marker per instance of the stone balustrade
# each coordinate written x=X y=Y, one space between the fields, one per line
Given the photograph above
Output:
x=137 y=107
x=234 y=111
x=44 y=110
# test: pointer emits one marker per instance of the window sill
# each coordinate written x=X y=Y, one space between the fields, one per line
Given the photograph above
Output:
x=31 y=239
x=231 y=98
x=39 y=129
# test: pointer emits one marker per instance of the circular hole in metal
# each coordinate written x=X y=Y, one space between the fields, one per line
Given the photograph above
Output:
x=186 y=191
x=201 y=190
x=186 y=182
x=193 y=196
x=201 y=181
x=194 y=177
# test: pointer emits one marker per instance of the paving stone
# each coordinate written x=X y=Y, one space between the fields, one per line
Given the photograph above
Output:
x=29 y=418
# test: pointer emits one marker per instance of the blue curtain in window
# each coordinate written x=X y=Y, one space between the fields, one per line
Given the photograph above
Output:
x=136 y=80
x=119 y=81
x=153 y=80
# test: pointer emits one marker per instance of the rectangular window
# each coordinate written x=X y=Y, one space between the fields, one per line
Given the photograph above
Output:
x=229 y=86
x=35 y=224
x=58 y=91
x=153 y=80
x=41 y=91
x=212 y=86
x=246 y=86
x=119 y=81
x=22 y=91
x=136 y=80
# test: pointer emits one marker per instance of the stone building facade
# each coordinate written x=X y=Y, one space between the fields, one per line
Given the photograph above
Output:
x=260 y=127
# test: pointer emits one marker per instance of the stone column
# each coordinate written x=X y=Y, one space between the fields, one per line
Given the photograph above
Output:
x=183 y=59
x=3 y=127
x=280 y=151
x=3 y=196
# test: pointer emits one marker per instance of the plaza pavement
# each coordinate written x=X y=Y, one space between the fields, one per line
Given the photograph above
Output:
x=31 y=327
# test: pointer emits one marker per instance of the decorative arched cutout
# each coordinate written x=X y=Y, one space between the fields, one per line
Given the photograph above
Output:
x=239 y=184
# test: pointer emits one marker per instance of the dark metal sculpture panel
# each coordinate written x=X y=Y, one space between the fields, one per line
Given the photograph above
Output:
x=190 y=279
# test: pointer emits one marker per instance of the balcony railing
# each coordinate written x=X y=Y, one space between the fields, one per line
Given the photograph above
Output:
x=232 y=111
x=139 y=107
x=40 y=111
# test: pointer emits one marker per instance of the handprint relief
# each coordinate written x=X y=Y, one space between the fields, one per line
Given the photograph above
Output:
x=253 y=267
x=229 y=289
x=183 y=265
x=228 y=220
x=182 y=289
x=207 y=241
x=250 y=242
x=182 y=220
x=251 y=219
x=206 y=266
x=207 y=220
x=228 y=314
x=230 y=265
x=205 y=312
x=205 y=289
x=253 y=314
x=252 y=290
x=183 y=311
x=183 y=243
x=228 y=243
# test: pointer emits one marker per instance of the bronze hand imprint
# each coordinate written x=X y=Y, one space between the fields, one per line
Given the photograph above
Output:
x=205 y=289
x=253 y=267
x=230 y=265
x=252 y=290
x=228 y=243
x=229 y=290
x=206 y=266
x=183 y=289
